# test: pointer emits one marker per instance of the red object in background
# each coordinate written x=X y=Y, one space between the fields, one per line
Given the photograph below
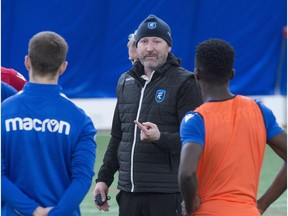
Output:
x=13 y=78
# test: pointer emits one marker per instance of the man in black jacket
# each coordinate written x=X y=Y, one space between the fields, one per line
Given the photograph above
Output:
x=157 y=92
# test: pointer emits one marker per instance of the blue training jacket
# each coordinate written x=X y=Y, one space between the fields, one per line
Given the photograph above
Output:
x=48 y=152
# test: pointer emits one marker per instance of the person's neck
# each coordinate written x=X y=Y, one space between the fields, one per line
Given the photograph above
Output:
x=148 y=72
x=43 y=80
x=216 y=94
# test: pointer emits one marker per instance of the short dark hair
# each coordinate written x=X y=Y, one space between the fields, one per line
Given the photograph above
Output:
x=215 y=59
x=47 y=51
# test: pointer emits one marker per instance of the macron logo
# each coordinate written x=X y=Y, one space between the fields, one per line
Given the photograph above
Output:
x=188 y=116
x=29 y=124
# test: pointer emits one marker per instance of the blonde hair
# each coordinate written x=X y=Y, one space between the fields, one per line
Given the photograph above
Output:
x=132 y=40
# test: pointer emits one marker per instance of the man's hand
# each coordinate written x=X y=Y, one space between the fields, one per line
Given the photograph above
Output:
x=40 y=211
x=260 y=207
x=101 y=188
x=149 y=131
x=195 y=206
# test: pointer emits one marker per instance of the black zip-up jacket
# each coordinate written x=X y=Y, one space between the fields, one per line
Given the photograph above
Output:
x=149 y=167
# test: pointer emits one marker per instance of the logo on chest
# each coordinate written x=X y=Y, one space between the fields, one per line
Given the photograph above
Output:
x=160 y=95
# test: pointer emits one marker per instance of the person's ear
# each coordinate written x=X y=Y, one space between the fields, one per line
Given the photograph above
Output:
x=169 y=49
x=63 y=67
x=27 y=63
x=196 y=74
x=232 y=74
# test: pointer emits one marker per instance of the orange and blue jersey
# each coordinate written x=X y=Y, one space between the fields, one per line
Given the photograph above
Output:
x=233 y=134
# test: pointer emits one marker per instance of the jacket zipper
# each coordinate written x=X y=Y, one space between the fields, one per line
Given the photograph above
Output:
x=147 y=80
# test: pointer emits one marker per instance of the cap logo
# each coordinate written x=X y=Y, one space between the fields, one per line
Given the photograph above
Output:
x=151 y=25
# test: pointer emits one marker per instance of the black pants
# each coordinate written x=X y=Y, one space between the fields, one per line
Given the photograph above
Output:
x=149 y=204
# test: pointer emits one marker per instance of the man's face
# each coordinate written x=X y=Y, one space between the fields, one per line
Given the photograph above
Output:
x=153 y=52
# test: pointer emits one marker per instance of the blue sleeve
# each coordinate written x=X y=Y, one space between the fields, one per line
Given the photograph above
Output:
x=272 y=127
x=6 y=91
x=13 y=196
x=192 y=129
x=82 y=172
